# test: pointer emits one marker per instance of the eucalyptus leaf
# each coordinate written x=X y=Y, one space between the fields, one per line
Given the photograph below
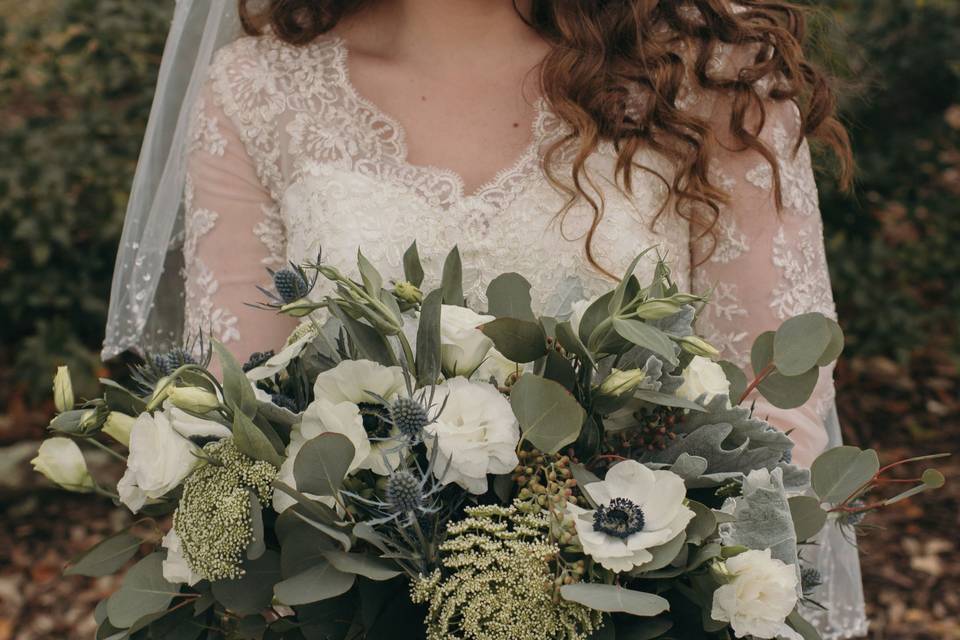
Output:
x=800 y=342
x=558 y=368
x=412 y=267
x=236 y=387
x=452 y=279
x=835 y=347
x=251 y=441
x=839 y=472
x=362 y=564
x=518 y=340
x=784 y=392
x=323 y=463
x=647 y=336
x=570 y=341
x=257 y=545
x=550 y=417
x=369 y=342
x=611 y=598
x=508 y=296
x=372 y=280
x=808 y=516
x=663 y=555
x=143 y=592
x=322 y=581
x=253 y=592
x=106 y=557
x=736 y=377
x=428 y=339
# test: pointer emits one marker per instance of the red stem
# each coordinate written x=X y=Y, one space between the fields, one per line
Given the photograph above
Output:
x=766 y=371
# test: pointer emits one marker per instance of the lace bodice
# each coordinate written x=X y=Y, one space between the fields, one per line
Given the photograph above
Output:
x=288 y=160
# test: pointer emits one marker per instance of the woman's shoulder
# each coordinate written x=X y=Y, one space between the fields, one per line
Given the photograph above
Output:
x=264 y=68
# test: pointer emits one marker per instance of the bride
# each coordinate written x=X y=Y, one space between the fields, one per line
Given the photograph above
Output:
x=553 y=138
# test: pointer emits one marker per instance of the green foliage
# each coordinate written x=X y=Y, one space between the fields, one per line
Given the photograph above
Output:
x=76 y=81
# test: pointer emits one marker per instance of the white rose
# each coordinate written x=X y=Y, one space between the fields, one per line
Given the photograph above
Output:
x=62 y=462
x=175 y=567
x=160 y=459
x=463 y=347
x=703 y=377
x=322 y=416
x=638 y=509
x=475 y=434
x=761 y=594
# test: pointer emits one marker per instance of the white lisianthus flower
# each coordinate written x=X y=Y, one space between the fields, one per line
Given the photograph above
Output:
x=496 y=366
x=190 y=426
x=279 y=362
x=703 y=377
x=62 y=462
x=322 y=416
x=637 y=509
x=463 y=346
x=175 y=567
x=578 y=309
x=476 y=434
x=159 y=460
x=761 y=593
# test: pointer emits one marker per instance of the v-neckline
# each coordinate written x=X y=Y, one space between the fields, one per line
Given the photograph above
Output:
x=515 y=174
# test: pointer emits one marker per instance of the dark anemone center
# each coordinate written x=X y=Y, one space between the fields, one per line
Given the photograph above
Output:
x=376 y=419
x=620 y=518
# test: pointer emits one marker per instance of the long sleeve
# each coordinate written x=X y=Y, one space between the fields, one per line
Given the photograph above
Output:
x=233 y=232
x=765 y=265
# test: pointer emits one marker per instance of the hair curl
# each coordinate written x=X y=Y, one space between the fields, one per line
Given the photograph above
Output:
x=604 y=53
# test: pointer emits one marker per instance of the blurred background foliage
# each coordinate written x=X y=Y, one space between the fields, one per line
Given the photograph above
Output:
x=76 y=82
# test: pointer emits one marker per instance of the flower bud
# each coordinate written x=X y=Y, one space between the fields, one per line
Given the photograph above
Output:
x=63 y=390
x=194 y=399
x=300 y=308
x=699 y=347
x=118 y=426
x=408 y=292
x=620 y=382
x=61 y=461
x=658 y=309
x=160 y=393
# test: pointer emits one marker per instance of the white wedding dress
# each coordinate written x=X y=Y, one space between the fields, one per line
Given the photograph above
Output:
x=287 y=161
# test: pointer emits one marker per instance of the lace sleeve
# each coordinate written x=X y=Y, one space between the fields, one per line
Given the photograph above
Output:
x=765 y=265
x=233 y=232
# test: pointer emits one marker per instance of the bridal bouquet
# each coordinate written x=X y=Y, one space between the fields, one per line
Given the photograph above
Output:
x=414 y=468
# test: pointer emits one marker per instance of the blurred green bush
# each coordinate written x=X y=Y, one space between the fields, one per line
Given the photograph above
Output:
x=76 y=80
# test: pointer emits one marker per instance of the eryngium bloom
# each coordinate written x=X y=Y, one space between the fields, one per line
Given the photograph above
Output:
x=497 y=582
x=213 y=520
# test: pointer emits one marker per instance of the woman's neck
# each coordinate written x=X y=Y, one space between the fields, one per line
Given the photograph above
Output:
x=438 y=30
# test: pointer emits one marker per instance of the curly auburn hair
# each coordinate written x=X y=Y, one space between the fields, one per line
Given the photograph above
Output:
x=604 y=52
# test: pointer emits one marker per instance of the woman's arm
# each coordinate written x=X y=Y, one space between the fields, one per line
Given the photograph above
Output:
x=766 y=264
x=233 y=233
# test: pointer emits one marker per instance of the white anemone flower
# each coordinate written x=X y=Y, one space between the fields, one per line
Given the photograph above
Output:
x=637 y=509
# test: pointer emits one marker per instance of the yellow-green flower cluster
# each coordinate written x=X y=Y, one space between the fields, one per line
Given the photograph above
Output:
x=497 y=582
x=213 y=518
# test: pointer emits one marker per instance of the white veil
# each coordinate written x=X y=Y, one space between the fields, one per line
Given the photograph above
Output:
x=146 y=298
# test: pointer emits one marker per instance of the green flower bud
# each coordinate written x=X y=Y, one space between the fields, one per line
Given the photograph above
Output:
x=118 y=426
x=699 y=347
x=194 y=399
x=63 y=390
x=658 y=309
x=300 y=308
x=62 y=462
x=621 y=382
x=160 y=393
x=408 y=292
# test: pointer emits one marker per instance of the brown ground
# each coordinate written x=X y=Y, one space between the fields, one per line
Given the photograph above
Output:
x=911 y=560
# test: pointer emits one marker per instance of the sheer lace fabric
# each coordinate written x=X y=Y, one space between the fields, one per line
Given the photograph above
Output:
x=289 y=161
